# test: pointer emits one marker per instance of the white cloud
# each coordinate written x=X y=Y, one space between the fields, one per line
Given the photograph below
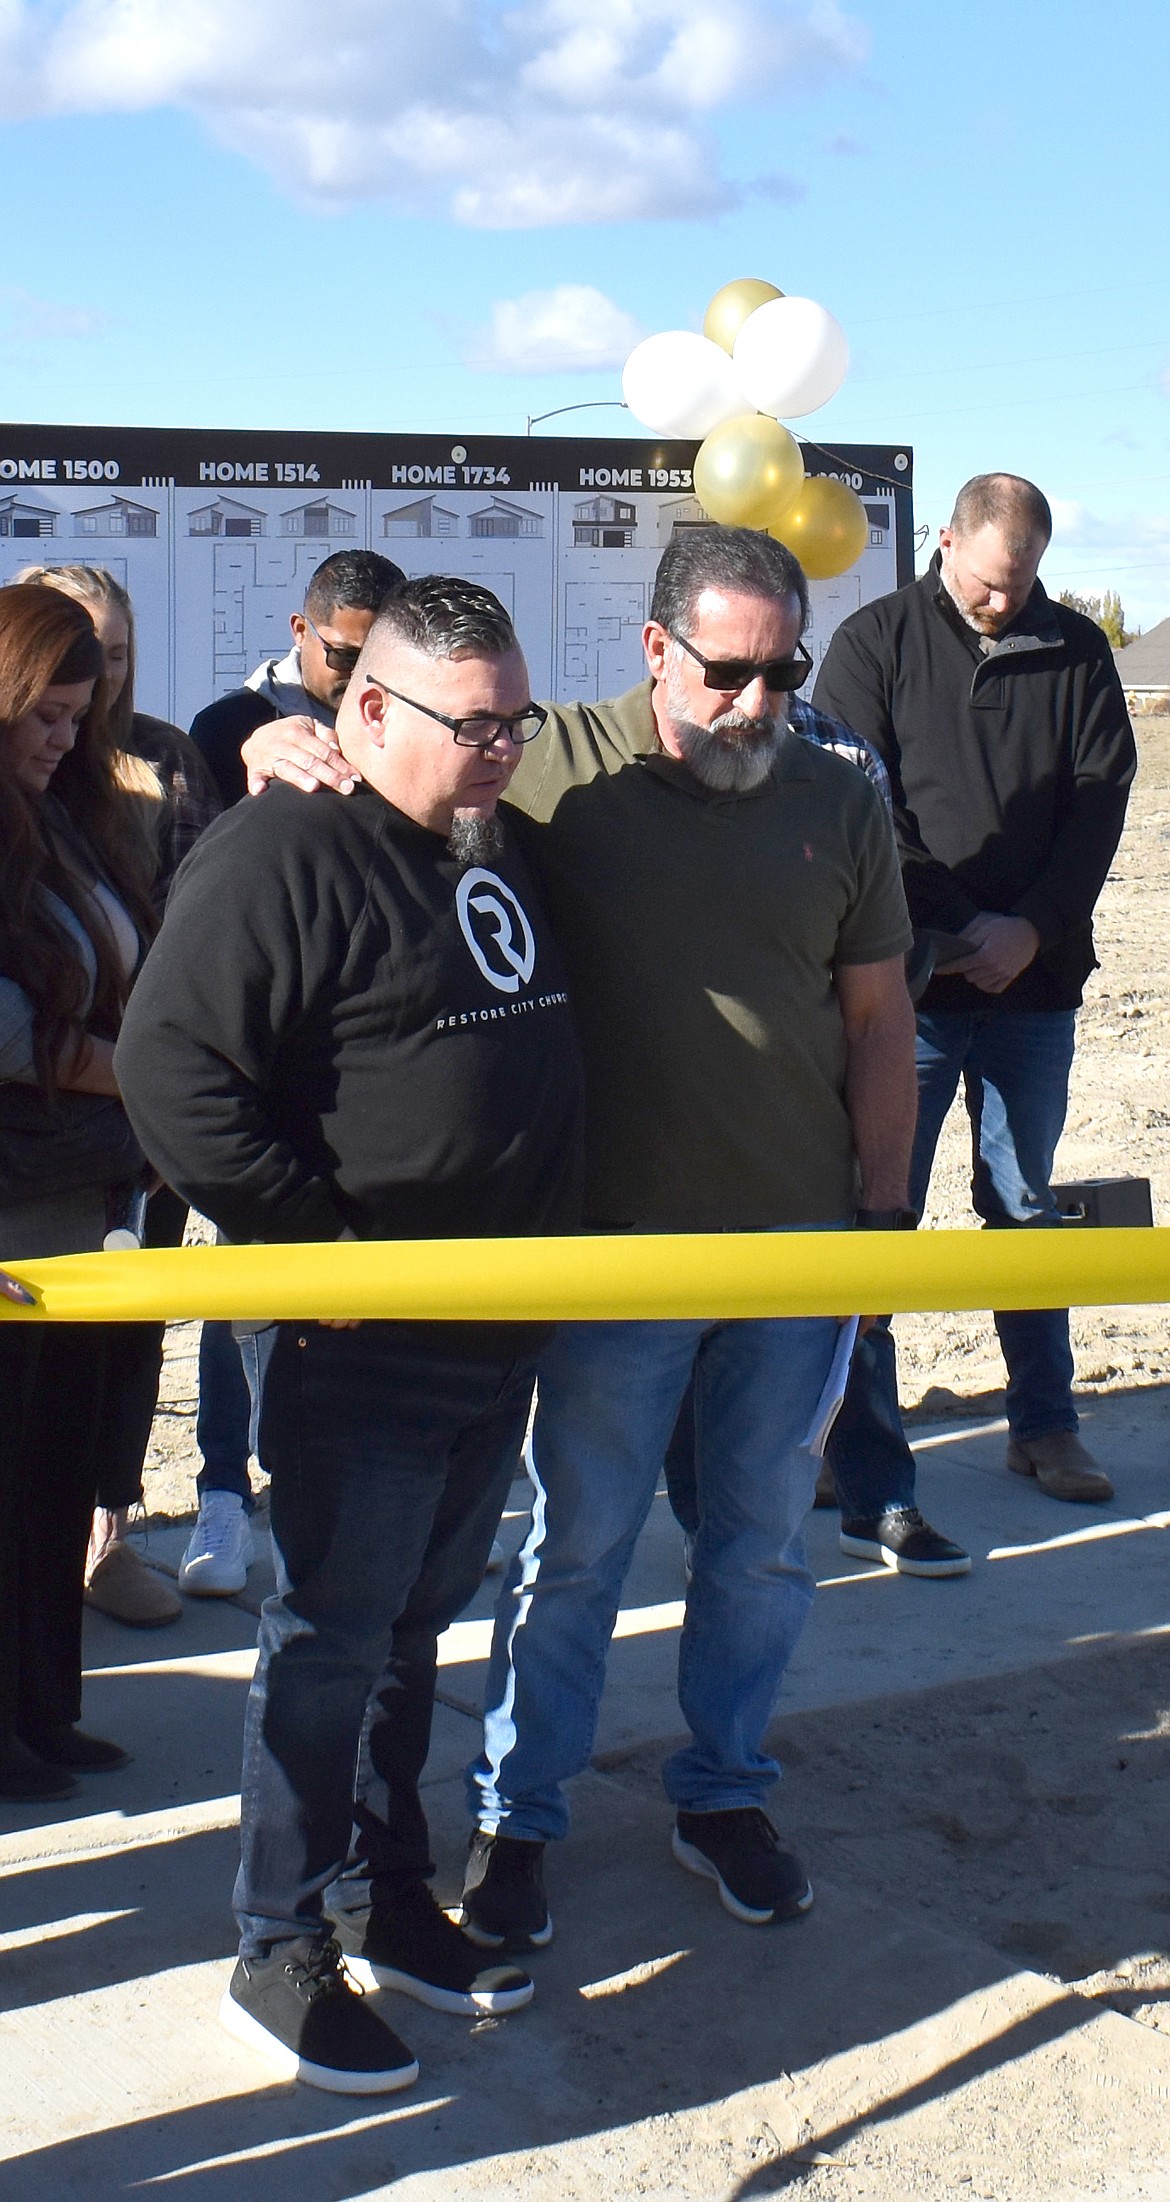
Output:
x=570 y=328
x=1075 y=527
x=1090 y=553
x=26 y=319
x=503 y=116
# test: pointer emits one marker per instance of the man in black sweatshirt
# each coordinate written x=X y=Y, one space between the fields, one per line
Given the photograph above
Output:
x=1000 y=718
x=354 y=1022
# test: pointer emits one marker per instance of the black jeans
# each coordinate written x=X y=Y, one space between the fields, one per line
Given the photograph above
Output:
x=390 y=1464
x=133 y=1367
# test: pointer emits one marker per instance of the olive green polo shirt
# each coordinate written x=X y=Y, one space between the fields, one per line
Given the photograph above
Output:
x=701 y=933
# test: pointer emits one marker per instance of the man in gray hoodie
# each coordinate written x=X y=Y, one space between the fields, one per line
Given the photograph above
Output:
x=303 y=690
x=311 y=679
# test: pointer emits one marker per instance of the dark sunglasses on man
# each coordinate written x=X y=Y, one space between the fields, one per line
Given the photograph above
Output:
x=340 y=657
x=732 y=675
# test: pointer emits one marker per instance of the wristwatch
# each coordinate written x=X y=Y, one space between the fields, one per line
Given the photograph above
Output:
x=886 y=1219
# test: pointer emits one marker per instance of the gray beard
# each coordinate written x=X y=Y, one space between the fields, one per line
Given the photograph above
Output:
x=474 y=839
x=732 y=756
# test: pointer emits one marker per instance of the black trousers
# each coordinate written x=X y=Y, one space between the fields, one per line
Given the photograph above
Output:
x=52 y=1395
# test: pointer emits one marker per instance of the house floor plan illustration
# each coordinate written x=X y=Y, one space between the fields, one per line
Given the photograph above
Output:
x=216 y=536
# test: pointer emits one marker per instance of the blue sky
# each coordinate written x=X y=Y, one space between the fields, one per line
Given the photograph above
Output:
x=266 y=213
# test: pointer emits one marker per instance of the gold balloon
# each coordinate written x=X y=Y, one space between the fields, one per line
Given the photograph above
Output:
x=827 y=527
x=730 y=307
x=748 y=472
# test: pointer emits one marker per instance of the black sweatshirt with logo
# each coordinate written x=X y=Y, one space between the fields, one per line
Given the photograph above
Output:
x=1010 y=771
x=340 y=1027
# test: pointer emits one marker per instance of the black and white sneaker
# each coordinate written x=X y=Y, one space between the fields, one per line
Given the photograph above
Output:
x=299 y=2010
x=503 y=1894
x=740 y=1850
x=406 y=1942
x=902 y=1540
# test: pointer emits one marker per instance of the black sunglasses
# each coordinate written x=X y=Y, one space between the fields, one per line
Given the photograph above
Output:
x=482 y=729
x=340 y=657
x=733 y=675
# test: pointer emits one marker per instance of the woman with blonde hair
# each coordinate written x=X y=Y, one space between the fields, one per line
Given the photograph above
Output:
x=156 y=762
x=172 y=797
x=75 y=919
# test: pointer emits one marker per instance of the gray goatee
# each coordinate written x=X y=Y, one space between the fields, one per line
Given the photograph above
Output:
x=474 y=839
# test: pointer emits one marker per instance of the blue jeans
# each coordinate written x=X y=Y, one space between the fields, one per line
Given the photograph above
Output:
x=390 y=1465
x=227 y=1423
x=1015 y=1067
x=608 y=1396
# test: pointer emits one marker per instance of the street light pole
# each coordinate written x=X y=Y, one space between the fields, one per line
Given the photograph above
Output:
x=588 y=405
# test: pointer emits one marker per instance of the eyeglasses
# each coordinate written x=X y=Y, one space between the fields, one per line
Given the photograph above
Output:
x=733 y=675
x=340 y=657
x=482 y=729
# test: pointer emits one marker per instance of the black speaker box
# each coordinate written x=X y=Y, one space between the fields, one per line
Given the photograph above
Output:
x=1108 y=1202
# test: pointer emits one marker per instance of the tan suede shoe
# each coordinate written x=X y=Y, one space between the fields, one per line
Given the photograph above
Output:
x=124 y=1587
x=1061 y=1465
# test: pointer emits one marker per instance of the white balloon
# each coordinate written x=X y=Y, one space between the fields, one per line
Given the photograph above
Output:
x=791 y=355
x=679 y=384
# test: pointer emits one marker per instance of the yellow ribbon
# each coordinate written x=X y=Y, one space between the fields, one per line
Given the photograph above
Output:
x=686 y=1275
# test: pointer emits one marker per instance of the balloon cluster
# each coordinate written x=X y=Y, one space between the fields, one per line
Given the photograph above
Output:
x=761 y=355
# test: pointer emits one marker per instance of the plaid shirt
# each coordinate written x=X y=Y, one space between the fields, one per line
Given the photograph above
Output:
x=816 y=726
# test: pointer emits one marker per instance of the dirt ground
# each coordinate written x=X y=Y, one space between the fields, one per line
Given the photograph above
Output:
x=1118 y=1125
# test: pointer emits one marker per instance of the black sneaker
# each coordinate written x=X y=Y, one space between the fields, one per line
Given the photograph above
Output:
x=503 y=1894
x=902 y=1540
x=298 y=2009
x=741 y=1850
x=406 y=1942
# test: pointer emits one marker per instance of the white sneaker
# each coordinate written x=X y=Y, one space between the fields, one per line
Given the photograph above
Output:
x=220 y=1550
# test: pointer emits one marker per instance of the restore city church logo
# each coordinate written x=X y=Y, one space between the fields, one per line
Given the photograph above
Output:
x=496 y=929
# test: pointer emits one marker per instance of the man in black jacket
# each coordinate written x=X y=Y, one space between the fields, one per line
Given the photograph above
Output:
x=354 y=1022
x=1001 y=721
x=309 y=682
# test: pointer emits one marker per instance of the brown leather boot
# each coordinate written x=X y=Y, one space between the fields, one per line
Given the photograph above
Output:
x=1062 y=1466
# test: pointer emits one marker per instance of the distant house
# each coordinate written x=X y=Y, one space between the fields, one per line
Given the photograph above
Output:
x=319 y=518
x=501 y=519
x=18 y=517
x=679 y=512
x=879 y=524
x=422 y=517
x=1144 y=667
x=226 y=516
x=118 y=516
x=604 y=523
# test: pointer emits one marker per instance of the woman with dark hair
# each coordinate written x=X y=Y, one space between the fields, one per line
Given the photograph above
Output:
x=76 y=866
x=168 y=784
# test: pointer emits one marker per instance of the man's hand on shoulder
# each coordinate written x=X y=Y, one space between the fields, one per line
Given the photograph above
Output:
x=300 y=751
x=1004 y=946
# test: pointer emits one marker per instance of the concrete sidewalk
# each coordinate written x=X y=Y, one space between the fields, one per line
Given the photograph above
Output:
x=670 y=2051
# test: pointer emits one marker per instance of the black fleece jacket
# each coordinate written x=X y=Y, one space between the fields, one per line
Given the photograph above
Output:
x=1010 y=771
x=220 y=730
x=340 y=1026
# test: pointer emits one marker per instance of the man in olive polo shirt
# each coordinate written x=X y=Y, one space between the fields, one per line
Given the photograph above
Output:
x=727 y=900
